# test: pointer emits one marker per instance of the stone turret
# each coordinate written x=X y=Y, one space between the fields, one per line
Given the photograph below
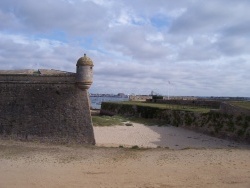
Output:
x=84 y=72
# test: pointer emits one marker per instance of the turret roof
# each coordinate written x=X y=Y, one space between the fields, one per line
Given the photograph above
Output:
x=84 y=61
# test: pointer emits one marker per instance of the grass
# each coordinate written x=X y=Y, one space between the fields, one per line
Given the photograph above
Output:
x=168 y=106
x=149 y=122
x=108 y=120
x=135 y=147
x=119 y=120
x=242 y=104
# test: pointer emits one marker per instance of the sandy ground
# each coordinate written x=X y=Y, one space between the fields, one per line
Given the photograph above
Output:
x=32 y=165
x=153 y=136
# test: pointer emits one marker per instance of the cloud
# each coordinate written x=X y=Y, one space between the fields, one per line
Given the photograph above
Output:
x=137 y=46
x=19 y=52
x=134 y=42
x=45 y=16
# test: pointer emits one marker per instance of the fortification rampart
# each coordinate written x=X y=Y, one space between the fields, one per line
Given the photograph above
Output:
x=49 y=107
x=217 y=124
x=227 y=108
x=39 y=79
x=201 y=103
x=47 y=104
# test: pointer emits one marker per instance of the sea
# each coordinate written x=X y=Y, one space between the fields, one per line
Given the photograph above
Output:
x=97 y=101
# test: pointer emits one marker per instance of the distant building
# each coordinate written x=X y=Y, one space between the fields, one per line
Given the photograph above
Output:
x=180 y=98
x=139 y=97
x=121 y=95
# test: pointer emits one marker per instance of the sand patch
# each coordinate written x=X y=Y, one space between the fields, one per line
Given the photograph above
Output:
x=77 y=166
x=154 y=136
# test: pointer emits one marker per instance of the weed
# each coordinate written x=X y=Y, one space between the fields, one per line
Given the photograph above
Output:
x=240 y=132
x=230 y=126
x=107 y=120
x=135 y=147
x=239 y=118
x=128 y=124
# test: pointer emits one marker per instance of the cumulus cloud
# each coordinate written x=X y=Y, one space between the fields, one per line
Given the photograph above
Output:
x=137 y=46
x=45 y=16
x=132 y=41
x=19 y=52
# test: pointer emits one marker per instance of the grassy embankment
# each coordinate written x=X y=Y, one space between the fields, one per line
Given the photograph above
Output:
x=200 y=118
x=242 y=104
x=120 y=120
x=168 y=106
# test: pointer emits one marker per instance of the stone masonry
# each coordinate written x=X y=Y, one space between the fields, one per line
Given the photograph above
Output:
x=44 y=104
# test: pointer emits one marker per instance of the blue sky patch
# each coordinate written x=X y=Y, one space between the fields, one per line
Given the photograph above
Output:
x=160 y=21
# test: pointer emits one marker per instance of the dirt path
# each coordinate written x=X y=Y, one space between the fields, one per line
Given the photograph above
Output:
x=24 y=165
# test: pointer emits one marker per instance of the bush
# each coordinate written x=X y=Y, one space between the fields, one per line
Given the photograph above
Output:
x=240 y=132
x=135 y=147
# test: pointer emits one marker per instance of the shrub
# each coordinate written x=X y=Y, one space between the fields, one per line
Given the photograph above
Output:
x=135 y=147
x=230 y=126
x=240 y=132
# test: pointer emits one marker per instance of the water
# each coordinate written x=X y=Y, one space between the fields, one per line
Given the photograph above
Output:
x=97 y=101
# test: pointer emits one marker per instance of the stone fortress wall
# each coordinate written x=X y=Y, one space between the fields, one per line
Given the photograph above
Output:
x=44 y=105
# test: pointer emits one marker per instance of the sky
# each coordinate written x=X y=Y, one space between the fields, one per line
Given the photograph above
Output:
x=181 y=47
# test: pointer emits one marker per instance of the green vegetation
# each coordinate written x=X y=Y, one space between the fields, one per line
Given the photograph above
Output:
x=108 y=120
x=178 y=115
x=135 y=147
x=36 y=72
x=242 y=104
x=157 y=97
x=119 y=120
x=167 y=106
x=149 y=122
